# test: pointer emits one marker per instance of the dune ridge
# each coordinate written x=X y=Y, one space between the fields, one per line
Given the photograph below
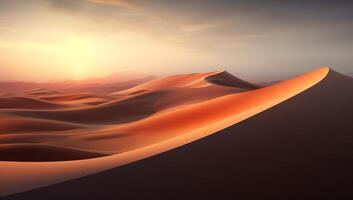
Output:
x=226 y=79
x=203 y=119
x=39 y=92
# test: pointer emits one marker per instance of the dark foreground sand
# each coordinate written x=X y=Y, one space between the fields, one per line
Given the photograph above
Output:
x=299 y=149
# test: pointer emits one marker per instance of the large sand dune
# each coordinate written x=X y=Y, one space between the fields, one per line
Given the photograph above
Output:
x=104 y=126
x=95 y=122
x=138 y=123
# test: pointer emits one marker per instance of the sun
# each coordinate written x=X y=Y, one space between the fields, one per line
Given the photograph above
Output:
x=78 y=55
x=79 y=71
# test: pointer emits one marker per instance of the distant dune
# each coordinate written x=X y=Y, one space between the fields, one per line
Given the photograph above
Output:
x=114 y=125
x=135 y=103
x=104 y=85
x=81 y=138
x=27 y=103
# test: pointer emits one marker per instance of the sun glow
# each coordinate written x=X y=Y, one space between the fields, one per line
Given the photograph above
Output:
x=79 y=71
x=79 y=55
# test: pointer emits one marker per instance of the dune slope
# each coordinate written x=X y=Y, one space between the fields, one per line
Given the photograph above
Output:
x=227 y=79
x=27 y=103
x=15 y=124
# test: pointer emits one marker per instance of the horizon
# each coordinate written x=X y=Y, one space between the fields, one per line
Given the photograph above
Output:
x=129 y=76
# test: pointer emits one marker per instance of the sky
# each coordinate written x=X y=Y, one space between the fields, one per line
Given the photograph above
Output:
x=74 y=39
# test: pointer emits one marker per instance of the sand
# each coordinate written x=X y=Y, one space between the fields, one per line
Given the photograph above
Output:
x=151 y=128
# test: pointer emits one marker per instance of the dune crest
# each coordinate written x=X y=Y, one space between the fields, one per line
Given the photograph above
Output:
x=184 y=124
x=226 y=79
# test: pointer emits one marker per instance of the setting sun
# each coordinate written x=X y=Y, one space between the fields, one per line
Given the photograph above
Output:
x=79 y=72
x=78 y=55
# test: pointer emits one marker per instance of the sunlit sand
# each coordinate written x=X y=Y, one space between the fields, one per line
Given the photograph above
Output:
x=83 y=134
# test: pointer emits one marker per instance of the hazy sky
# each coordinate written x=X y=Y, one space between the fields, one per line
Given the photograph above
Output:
x=56 y=39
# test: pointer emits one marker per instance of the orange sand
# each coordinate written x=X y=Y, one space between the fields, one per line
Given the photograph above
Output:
x=160 y=129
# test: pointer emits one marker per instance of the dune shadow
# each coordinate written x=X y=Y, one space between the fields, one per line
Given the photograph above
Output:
x=227 y=79
x=43 y=153
x=115 y=112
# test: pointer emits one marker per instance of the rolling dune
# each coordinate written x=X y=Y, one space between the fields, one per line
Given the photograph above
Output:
x=103 y=85
x=138 y=102
x=14 y=124
x=76 y=99
x=39 y=92
x=162 y=95
x=27 y=103
x=150 y=129
x=298 y=149
x=40 y=152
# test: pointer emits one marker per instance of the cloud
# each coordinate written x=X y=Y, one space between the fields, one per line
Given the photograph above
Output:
x=214 y=18
x=122 y=3
x=70 y=5
x=95 y=7
x=67 y=5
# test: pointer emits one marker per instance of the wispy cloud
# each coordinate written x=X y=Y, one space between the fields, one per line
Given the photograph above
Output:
x=67 y=5
x=123 y=3
x=71 y=5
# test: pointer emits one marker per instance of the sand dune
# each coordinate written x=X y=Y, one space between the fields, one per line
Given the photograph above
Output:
x=195 y=80
x=120 y=111
x=67 y=98
x=39 y=92
x=227 y=79
x=104 y=85
x=72 y=97
x=163 y=95
x=27 y=103
x=77 y=99
x=14 y=124
x=153 y=133
x=136 y=103
x=299 y=149
x=40 y=152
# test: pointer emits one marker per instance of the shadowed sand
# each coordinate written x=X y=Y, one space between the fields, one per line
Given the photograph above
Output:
x=152 y=135
x=20 y=152
x=27 y=103
x=224 y=77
